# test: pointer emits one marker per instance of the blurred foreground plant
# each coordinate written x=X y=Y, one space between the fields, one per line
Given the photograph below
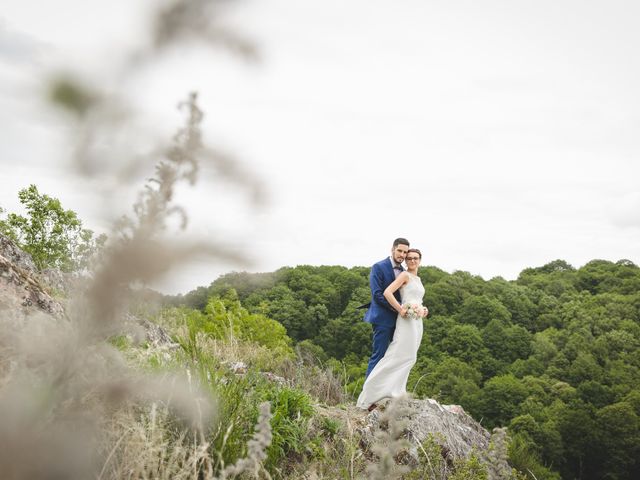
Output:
x=71 y=406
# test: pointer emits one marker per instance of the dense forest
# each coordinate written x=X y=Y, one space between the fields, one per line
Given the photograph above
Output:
x=552 y=355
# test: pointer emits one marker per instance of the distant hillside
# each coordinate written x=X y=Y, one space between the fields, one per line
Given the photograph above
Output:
x=553 y=355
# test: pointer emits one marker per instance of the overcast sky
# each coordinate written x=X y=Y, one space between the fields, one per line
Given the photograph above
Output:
x=495 y=135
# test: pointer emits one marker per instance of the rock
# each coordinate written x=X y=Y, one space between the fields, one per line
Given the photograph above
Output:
x=241 y=368
x=156 y=335
x=454 y=408
x=158 y=342
x=238 y=368
x=272 y=377
x=456 y=432
x=21 y=291
x=449 y=425
x=59 y=281
x=13 y=254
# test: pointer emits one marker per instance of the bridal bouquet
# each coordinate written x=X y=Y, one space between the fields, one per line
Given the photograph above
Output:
x=415 y=311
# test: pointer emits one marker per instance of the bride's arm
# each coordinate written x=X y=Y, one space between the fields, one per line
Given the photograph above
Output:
x=391 y=289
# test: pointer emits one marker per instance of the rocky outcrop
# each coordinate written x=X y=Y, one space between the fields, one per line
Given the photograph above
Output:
x=58 y=281
x=154 y=334
x=457 y=433
x=21 y=291
x=13 y=254
x=25 y=290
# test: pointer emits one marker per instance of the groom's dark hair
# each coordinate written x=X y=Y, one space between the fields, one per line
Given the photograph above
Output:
x=400 y=241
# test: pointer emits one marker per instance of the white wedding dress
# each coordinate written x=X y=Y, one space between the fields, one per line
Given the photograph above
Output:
x=389 y=377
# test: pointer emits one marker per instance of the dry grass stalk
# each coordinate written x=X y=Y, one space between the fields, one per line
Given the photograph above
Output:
x=144 y=447
x=498 y=455
x=67 y=397
x=252 y=464
x=197 y=19
x=321 y=383
x=389 y=444
x=63 y=382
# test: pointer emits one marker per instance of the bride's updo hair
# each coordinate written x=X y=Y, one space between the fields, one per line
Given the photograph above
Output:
x=415 y=250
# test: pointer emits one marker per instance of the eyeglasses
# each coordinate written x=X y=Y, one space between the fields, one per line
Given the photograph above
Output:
x=408 y=259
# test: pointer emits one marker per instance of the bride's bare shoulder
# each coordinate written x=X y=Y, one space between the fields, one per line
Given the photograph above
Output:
x=405 y=276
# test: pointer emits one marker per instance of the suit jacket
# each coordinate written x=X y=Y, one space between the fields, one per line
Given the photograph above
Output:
x=380 y=312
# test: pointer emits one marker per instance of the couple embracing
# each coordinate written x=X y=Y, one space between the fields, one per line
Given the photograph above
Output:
x=396 y=314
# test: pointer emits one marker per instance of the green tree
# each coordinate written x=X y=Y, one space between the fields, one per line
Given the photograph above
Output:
x=225 y=318
x=506 y=344
x=599 y=276
x=445 y=296
x=633 y=399
x=53 y=236
x=480 y=310
x=345 y=335
x=584 y=368
x=618 y=430
x=551 y=267
x=546 y=315
x=244 y=283
x=314 y=288
x=595 y=393
x=464 y=342
x=525 y=448
x=516 y=298
x=281 y=304
x=579 y=436
x=346 y=282
x=437 y=328
x=555 y=278
x=615 y=344
x=451 y=381
x=196 y=299
x=501 y=398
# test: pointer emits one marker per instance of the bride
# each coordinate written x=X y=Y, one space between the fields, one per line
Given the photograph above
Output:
x=389 y=376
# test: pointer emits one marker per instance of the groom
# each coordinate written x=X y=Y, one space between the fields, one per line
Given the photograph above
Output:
x=381 y=314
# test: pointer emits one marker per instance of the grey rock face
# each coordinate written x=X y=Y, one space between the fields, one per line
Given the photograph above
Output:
x=60 y=281
x=156 y=335
x=10 y=251
x=20 y=289
x=457 y=433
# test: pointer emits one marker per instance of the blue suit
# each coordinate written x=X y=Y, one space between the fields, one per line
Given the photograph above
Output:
x=380 y=313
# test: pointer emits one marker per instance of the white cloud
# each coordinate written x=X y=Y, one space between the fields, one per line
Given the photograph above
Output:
x=494 y=135
x=624 y=210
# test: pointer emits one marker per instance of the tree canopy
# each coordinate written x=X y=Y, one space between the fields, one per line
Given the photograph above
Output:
x=53 y=236
x=554 y=355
